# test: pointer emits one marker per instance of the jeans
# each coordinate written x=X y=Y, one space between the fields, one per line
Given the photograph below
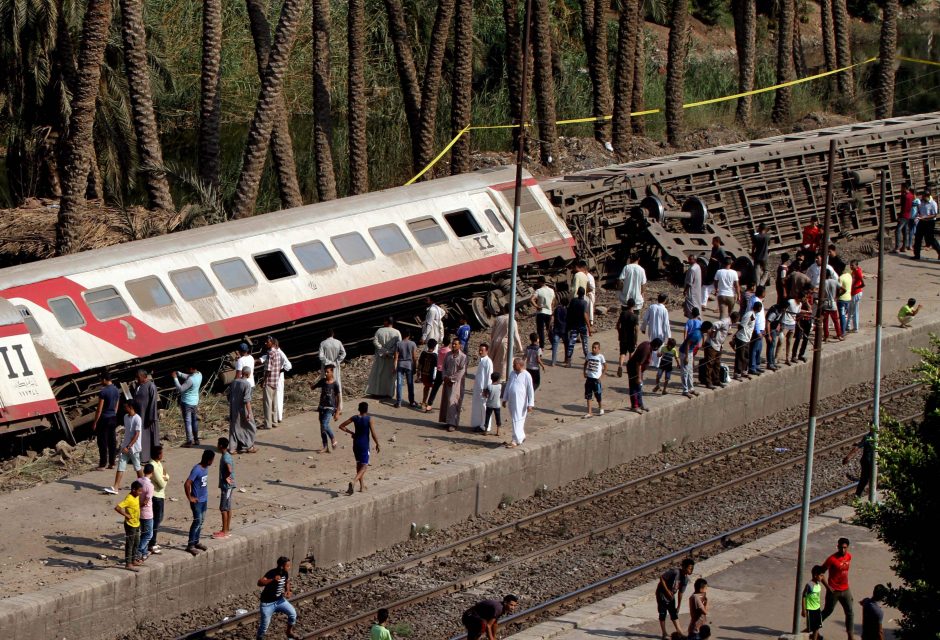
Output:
x=556 y=339
x=757 y=348
x=409 y=376
x=157 y=519
x=190 y=421
x=326 y=434
x=131 y=541
x=572 y=338
x=106 y=434
x=268 y=609
x=772 y=337
x=195 y=529
x=844 y=314
x=904 y=234
x=688 y=379
x=542 y=320
x=146 y=532
x=845 y=599
x=854 y=310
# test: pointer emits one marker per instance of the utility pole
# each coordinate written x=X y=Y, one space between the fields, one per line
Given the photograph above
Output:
x=876 y=418
x=517 y=198
x=814 y=394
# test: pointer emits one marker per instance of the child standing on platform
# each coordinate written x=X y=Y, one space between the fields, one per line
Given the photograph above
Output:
x=363 y=429
x=594 y=366
x=129 y=508
x=812 y=602
x=668 y=356
x=493 y=393
x=533 y=360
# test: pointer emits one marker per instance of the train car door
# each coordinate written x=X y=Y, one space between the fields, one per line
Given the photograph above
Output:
x=25 y=395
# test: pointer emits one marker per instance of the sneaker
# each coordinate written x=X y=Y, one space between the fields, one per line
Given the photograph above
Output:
x=600 y=412
x=187 y=444
x=396 y=405
x=110 y=490
x=156 y=550
x=192 y=551
x=201 y=546
x=619 y=372
x=350 y=490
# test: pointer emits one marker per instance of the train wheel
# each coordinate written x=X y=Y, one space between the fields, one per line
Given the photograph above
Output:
x=480 y=313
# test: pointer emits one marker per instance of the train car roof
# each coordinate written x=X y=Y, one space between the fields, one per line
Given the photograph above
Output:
x=192 y=239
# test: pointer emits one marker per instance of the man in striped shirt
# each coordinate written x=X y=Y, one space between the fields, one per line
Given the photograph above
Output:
x=273 y=362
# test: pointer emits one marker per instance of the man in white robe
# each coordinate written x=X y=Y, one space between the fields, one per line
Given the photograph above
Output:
x=382 y=377
x=519 y=397
x=499 y=341
x=480 y=382
x=433 y=326
x=332 y=352
x=655 y=324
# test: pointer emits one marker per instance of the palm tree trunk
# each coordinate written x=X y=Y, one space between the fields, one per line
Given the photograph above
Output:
x=884 y=90
x=94 y=39
x=782 y=99
x=259 y=132
x=462 y=91
x=675 y=70
x=405 y=63
x=210 y=160
x=145 y=123
x=356 y=103
x=799 y=52
x=745 y=34
x=431 y=87
x=639 y=73
x=602 y=98
x=544 y=81
x=623 y=76
x=322 y=114
x=282 y=147
x=844 y=80
x=828 y=34
x=513 y=64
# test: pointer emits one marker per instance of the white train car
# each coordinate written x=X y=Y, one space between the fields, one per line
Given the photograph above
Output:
x=152 y=302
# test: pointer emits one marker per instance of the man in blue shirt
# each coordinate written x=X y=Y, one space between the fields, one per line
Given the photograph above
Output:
x=105 y=424
x=187 y=384
x=197 y=492
x=926 y=223
x=694 y=333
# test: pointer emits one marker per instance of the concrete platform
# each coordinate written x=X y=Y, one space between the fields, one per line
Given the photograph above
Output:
x=750 y=590
x=51 y=536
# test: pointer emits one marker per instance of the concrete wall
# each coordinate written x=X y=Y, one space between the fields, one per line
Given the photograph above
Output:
x=93 y=605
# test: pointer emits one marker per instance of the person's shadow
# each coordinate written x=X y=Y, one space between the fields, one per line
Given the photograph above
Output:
x=78 y=485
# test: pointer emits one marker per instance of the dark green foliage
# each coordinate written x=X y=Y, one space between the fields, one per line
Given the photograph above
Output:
x=710 y=11
x=908 y=466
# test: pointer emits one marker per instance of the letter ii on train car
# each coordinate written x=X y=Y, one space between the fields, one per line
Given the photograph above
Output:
x=24 y=389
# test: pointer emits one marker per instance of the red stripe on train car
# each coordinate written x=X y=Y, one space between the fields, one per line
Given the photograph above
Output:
x=8 y=330
x=26 y=410
x=506 y=186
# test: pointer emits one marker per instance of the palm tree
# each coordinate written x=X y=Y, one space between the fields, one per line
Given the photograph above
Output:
x=884 y=91
x=210 y=106
x=513 y=64
x=745 y=33
x=259 y=132
x=799 y=52
x=828 y=34
x=405 y=64
x=430 y=88
x=782 y=99
x=356 y=103
x=282 y=148
x=544 y=81
x=594 y=28
x=623 y=80
x=639 y=73
x=94 y=39
x=149 y=150
x=462 y=89
x=322 y=115
x=675 y=69
x=845 y=80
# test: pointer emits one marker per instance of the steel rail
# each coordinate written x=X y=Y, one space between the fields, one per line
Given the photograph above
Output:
x=499 y=531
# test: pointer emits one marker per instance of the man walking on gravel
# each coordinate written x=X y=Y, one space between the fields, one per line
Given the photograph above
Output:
x=669 y=592
x=276 y=583
x=838 y=566
x=480 y=620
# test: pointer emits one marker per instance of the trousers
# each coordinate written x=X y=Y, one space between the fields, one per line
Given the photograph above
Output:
x=106 y=435
x=845 y=599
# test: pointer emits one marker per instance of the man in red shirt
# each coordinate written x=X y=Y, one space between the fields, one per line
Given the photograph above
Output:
x=838 y=566
x=902 y=235
x=812 y=236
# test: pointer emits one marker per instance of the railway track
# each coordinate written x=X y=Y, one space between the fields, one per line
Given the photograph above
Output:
x=622 y=498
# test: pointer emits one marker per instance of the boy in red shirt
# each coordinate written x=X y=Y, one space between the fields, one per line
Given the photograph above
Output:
x=838 y=566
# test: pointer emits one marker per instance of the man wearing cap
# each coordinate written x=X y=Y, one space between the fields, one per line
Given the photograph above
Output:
x=245 y=360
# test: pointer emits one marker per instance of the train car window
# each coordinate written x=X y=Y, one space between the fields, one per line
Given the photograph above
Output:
x=29 y=321
x=463 y=223
x=192 y=283
x=149 y=293
x=426 y=231
x=494 y=220
x=66 y=312
x=275 y=265
x=314 y=256
x=106 y=303
x=352 y=248
x=233 y=274
x=390 y=239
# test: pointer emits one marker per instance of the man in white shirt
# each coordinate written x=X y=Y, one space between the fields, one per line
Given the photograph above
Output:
x=245 y=359
x=633 y=278
x=926 y=224
x=727 y=288
x=655 y=324
x=433 y=326
x=544 y=302
x=816 y=268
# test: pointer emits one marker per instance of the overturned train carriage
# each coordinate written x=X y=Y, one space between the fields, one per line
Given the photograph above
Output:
x=681 y=200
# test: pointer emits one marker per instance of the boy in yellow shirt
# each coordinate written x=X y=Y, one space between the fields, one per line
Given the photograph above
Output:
x=129 y=508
